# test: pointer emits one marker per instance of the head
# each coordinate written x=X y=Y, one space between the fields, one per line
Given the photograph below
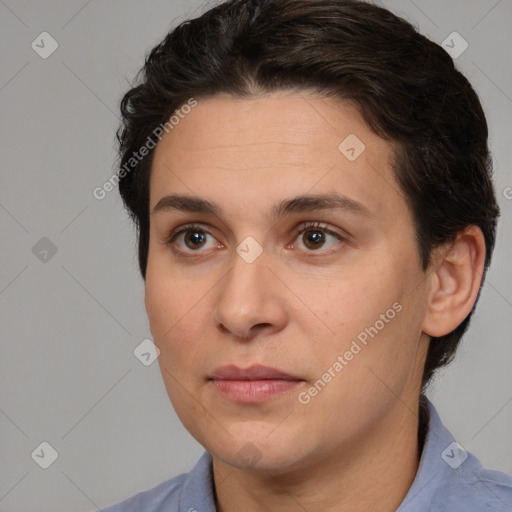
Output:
x=263 y=93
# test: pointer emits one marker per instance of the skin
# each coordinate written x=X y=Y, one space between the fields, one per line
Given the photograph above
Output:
x=297 y=306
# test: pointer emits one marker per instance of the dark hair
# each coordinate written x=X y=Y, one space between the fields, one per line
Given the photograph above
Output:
x=405 y=86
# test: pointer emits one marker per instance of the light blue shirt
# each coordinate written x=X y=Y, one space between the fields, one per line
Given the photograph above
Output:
x=448 y=479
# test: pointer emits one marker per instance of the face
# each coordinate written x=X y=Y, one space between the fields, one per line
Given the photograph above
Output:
x=281 y=248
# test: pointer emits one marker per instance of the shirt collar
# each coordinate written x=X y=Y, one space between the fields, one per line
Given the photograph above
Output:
x=439 y=447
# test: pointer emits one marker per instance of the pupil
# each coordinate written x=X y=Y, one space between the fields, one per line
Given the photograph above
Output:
x=314 y=238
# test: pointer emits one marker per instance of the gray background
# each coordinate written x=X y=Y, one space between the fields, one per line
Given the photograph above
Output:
x=69 y=325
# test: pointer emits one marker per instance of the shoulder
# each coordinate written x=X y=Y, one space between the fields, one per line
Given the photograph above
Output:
x=187 y=491
x=485 y=489
x=472 y=487
x=449 y=478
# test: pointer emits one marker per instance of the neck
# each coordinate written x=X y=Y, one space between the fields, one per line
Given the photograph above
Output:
x=378 y=468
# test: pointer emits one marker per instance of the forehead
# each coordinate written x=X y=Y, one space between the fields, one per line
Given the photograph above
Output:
x=283 y=144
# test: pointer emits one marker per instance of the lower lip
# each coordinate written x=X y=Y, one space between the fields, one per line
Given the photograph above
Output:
x=253 y=391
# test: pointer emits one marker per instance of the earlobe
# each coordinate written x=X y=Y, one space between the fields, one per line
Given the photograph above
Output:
x=454 y=282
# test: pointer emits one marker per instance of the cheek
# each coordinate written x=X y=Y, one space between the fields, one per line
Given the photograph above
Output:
x=387 y=343
x=353 y=300
x=176 y=318
x=370 y=313
x=372 y=361
x=160 y=305
x=167 y=298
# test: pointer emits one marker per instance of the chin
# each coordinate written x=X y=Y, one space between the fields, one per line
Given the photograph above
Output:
x=259 y=453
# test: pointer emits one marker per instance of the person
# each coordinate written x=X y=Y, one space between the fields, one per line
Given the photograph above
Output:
x=310 y=181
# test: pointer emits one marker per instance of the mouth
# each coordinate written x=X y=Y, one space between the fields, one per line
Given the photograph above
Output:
x=252 y=385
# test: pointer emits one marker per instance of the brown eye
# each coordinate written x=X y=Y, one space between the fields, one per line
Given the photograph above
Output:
x=316 y=237
x=191 y=239
x=194 y=239
x=313 y=238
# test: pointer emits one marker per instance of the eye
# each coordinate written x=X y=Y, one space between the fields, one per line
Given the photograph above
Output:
x=313 y=236
x=192 y=238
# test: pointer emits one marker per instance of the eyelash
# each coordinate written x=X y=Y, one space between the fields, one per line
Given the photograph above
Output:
x=317 y=226
x=307 y=226
x=184 y=229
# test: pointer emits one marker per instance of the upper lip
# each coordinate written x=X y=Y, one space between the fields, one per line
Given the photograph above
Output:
x=254 y=372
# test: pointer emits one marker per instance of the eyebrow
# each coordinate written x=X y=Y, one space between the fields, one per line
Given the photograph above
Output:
x=299 y=204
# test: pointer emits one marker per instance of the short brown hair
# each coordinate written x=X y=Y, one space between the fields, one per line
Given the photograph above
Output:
x=406 y=87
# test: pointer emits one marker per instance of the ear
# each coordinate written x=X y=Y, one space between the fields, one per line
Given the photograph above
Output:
x=456 y=275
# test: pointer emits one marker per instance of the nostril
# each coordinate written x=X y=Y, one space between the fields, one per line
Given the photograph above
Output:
x=262 y=325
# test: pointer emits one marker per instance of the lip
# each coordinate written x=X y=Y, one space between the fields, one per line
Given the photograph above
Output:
x=252 y=385
x=254 y=372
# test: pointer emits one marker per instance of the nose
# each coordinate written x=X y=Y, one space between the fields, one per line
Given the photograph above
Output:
x=250 y=301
